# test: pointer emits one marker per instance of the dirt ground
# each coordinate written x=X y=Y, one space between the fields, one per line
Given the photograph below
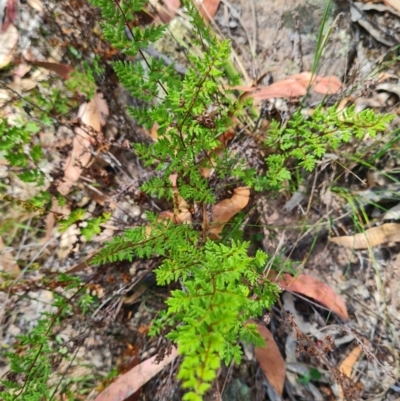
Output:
x=271 y=40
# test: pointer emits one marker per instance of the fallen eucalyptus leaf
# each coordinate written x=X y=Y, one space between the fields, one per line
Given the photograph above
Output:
x=208 y=8
x=63 y=70
x=315 y=289
x=134 y=379
x=389 y=232
x=226 y=209
x=271 y=361
x=8 y=43
x=293 y=86
x=347 y=365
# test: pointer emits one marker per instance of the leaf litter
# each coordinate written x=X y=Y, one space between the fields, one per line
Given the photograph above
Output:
x=291 y=84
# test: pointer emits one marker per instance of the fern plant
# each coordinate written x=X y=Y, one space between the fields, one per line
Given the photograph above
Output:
x=220 y=286
x=221 y=289
x=306 y=140
x=36 y=351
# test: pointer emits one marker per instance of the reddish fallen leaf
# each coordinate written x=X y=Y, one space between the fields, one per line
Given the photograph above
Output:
x=169 y=11
x=327 y=85
x=271 y=361
x=133 y=359
x=315 y=289
x=208 y=8
x=132 y=381
x=226 y=209
x=293 y=86
x=9 y=14
x=63 y=70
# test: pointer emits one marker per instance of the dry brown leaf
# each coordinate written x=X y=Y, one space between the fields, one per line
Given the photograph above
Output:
x=92 y=115
x=393 y=3
x=168 y=11
x=223 y=139
x=7 y=261
x=181 y=208
x=8 y=44
x=24 y=85
x=10 y=14
x=68 y=241
x=389 y=232
x=208 y=8
x=102 y=109
x=153 y=131
x=18 y=86
x=271 y=361
x=50 y=222
x=76 y=161
x=294 y=86
x=20 y=71
x=165 y=216
x=327 y=85
x=315 y=289
x=132 y=381
x=36 y=5
x=63 y=70
x=226 y=209
x=347 y=365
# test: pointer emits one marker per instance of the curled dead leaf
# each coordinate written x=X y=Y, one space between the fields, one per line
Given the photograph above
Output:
x=226 y=209
x=389 y=232
x=315 y=289
x=133 y=380
x=271 y=361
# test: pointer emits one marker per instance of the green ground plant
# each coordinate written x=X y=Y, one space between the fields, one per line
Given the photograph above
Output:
x=218 y=285
x=221 y=287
